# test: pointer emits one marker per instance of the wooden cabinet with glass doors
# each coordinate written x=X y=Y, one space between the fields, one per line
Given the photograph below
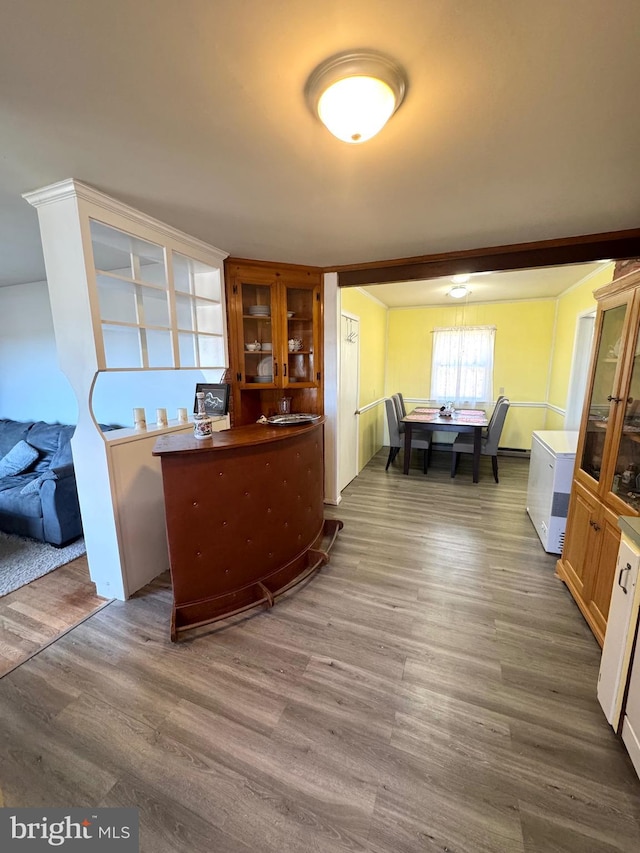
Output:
x=275 y=325
x=607 y=474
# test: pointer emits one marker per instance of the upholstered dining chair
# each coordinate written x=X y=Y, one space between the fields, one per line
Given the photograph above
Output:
x=493 y=414
x=396 y=440
x=489 y=446
x=400 y=410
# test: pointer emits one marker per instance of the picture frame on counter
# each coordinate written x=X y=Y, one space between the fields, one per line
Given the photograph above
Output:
x=216 y=398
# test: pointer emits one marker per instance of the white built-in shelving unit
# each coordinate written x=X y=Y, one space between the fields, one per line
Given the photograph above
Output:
x=128 y=293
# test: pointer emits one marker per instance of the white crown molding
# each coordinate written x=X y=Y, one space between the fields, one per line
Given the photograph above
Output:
x=586 y=278
x=54 y=192
x=71 y=188
x=473 y=304
x=372 y=297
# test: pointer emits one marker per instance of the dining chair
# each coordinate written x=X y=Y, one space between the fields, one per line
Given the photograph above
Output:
x=400 y=410
x=396 y=440
x=485 y=431
x=489 y=447
x=403 y=408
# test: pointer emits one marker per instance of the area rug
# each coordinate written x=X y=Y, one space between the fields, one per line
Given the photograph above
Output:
x=23 y=560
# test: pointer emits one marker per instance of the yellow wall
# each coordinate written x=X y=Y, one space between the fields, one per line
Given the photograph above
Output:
x=524 y=332
x=569 y=306
x=534 y=347
x=373 y=353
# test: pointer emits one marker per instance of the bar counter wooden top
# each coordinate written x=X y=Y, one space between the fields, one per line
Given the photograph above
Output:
x=245 y=517
x=244 y=436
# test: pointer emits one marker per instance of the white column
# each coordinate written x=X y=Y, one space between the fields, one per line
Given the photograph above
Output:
x=331 y=373
x=67 y=269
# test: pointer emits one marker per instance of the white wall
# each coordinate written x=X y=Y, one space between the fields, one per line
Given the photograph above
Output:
x=115 y=395
x=32 y=386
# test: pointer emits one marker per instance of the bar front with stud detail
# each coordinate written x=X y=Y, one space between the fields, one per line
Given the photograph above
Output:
x=245 y=517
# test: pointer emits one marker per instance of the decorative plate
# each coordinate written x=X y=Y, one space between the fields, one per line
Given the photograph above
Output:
x=292 y=420
x=265 y=366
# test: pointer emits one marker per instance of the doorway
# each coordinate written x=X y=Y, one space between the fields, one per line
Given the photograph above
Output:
x=348 y=399
x=579 y=369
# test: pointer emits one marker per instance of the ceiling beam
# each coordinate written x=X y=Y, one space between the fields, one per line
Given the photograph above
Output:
x=615 y=245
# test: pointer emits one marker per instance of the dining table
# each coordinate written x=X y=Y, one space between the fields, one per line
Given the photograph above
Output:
x=461 y=420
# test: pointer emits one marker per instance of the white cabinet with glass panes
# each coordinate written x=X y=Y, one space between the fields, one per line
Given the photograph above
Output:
x=158 y=308
x=135 y=298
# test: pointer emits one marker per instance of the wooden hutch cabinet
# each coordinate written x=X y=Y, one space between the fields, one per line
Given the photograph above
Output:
x=275 y=328
x=607 y=473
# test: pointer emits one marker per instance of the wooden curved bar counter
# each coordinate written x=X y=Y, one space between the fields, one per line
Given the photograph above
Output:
x=245 y=519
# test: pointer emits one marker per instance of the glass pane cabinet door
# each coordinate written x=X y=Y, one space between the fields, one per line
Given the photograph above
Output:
x=257 y=335
x=626 y=476
x=600 y=407
x=199 y=315
x=300 y=365
x=133 y=299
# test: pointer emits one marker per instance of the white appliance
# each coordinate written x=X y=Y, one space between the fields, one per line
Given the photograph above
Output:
x=619 y=676
x=553 y=456
x=618 y=639
x=631 y=717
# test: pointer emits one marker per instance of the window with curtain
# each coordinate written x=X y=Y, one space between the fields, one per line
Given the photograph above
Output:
x=462 y=364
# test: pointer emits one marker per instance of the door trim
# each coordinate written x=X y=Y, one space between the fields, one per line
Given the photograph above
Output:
x=356 y=318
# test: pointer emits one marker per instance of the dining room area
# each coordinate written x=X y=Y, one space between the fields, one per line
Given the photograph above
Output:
x=474 y=433
x=525 y=326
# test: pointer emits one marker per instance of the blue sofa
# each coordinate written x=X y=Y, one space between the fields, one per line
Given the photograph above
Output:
x=48 y=509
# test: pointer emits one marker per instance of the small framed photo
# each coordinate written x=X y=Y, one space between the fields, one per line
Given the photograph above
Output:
x=216 y=399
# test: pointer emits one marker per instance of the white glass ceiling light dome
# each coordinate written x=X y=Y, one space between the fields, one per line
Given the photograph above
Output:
x=459 y=281
x=355 y=93
x=458 y=291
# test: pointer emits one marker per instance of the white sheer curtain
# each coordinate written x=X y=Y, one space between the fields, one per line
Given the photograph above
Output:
x=462 y=364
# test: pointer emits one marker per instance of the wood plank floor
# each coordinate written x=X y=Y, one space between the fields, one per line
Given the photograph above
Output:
x=433 y=689
x=36 y=614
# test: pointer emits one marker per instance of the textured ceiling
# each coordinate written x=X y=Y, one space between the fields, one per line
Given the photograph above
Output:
x=520 y=122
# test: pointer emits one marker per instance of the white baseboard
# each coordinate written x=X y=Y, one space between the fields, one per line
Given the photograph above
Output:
x=333 y=503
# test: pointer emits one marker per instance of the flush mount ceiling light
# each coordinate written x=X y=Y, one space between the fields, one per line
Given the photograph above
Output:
x=458 y=291
x=355 y=93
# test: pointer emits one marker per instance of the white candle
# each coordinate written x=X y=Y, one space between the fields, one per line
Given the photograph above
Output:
x=182 y=416
x=161 y=418
x=139 y=419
